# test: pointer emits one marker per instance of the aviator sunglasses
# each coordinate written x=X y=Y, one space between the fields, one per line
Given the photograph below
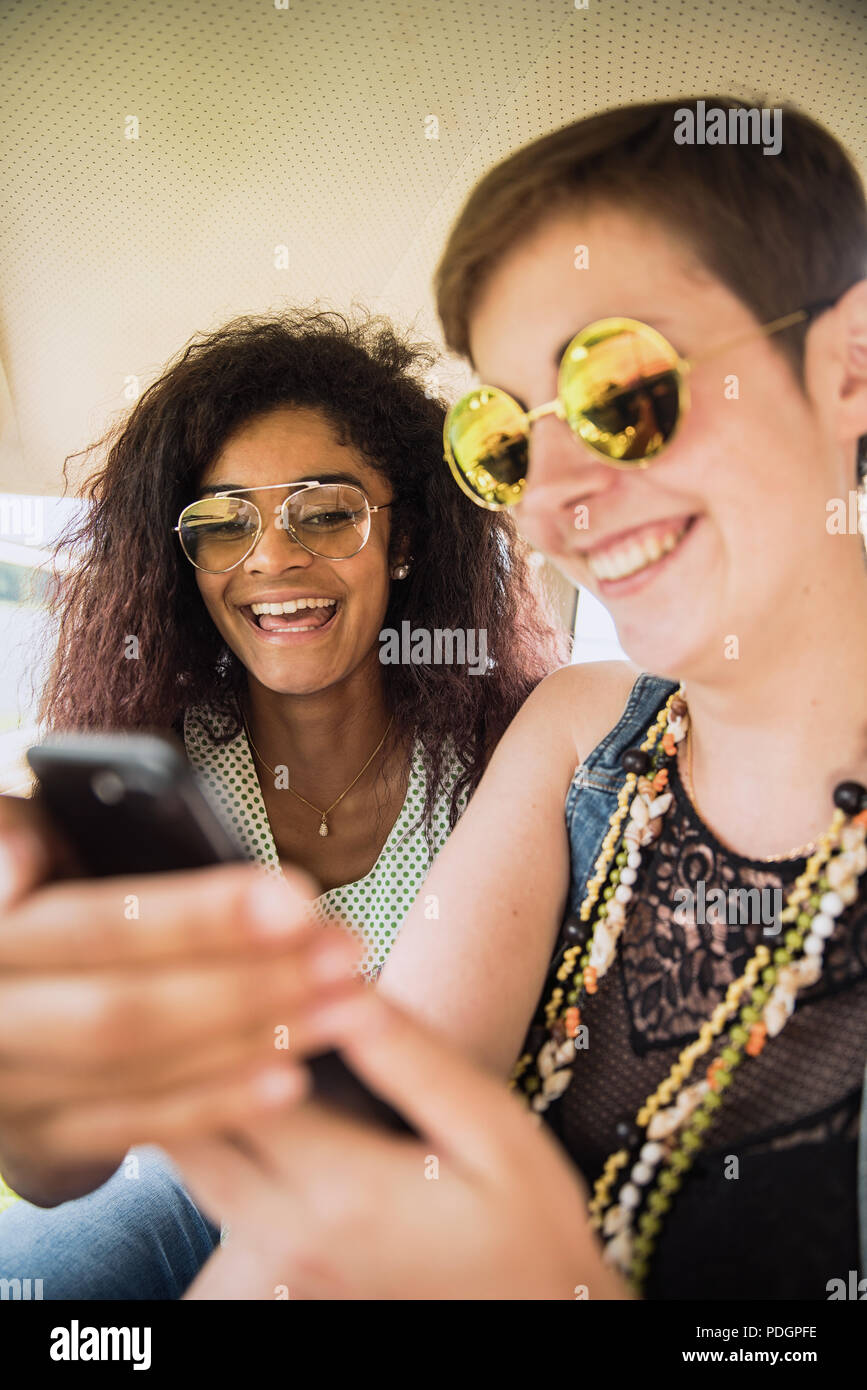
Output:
x=329 y=519
x=621 y=388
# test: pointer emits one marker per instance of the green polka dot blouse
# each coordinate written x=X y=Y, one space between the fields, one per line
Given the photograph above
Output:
x=374 y=906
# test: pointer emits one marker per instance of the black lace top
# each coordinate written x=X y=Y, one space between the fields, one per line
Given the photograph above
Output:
x=781 y=1220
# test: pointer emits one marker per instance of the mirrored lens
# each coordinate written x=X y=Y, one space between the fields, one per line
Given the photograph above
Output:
x=486 y=447
x=218 y=532
x=622 y=389
x=332 y=519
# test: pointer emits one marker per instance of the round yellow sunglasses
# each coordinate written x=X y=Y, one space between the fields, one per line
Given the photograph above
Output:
x=621 y=388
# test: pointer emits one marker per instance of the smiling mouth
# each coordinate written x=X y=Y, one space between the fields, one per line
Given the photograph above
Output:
x=293 y=615
x=637 y=552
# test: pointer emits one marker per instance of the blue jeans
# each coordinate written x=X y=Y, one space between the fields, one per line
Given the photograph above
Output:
x=136 y=1237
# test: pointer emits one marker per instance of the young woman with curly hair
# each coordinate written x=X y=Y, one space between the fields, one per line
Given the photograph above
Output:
x=275 y=502
x=318 y=747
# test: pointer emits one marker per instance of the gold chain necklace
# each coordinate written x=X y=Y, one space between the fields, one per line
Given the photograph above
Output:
x=799 y=852
x=323 y=815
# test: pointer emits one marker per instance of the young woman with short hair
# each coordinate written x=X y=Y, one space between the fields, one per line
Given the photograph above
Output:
x=673 y=341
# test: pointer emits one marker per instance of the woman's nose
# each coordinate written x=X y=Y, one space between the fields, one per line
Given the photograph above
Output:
x=276 y=549
x=564 y=474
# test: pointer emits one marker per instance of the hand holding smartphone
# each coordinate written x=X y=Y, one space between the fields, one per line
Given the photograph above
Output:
x=129 y=803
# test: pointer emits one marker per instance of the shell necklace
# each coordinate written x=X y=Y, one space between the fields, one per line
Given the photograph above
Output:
x=323 y=823
x=640 y=1180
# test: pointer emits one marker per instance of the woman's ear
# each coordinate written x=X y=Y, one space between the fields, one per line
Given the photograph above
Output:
x=835 y=367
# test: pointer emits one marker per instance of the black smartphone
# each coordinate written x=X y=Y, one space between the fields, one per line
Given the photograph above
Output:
x=130 y=803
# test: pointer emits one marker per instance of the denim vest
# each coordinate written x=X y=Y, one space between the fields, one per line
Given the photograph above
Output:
x=598 y=780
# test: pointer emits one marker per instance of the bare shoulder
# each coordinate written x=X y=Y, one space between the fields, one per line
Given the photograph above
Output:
x=583 y=701
x=558 y=725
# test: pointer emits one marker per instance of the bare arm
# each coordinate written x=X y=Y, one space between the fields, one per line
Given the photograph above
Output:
x=471 y=957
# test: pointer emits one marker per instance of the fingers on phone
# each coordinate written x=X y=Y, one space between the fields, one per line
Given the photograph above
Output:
x=108 y=1019
x=214 y=911
x=24 y=863
x=27 y=1088
x=237 y=1098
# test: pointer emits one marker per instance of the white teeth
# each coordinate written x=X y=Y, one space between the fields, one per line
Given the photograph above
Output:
x=292 y=605
x=628 y=557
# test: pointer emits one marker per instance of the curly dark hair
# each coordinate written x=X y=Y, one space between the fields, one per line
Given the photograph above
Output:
x=470 y=567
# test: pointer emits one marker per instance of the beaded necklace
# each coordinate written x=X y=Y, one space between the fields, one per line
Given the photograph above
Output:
x=640 y=1180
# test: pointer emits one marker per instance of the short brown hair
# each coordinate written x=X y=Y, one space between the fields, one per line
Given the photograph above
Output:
x=780 y=231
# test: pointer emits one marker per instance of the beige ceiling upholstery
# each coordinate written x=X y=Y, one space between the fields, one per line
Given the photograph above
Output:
x=305 y=125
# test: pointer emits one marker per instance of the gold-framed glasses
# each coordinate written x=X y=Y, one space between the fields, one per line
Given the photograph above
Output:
x=621 y=388
x=218 y=532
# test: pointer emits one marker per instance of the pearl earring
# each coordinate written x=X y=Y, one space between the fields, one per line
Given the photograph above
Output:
x=399 y=571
